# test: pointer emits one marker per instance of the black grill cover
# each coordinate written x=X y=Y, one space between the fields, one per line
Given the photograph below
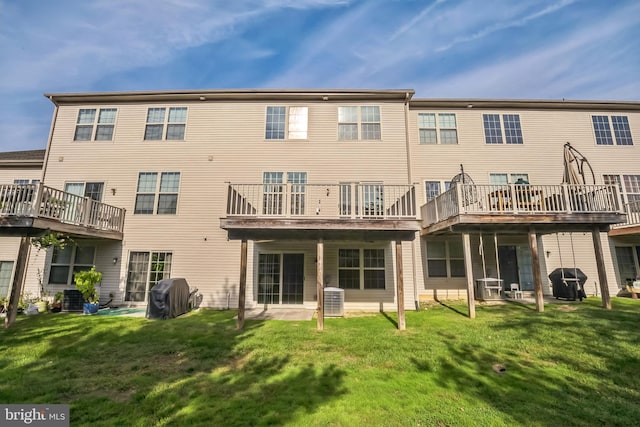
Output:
x=572 y=289
x=169 y=298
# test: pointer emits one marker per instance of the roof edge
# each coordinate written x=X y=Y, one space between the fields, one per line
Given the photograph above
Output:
x=233 y=95
x=544 y=104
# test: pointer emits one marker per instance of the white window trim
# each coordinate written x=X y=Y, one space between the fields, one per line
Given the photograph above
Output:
x=287 y=123
x=442 y=182
x=150 y=252
x=95 y=124
x=614 y=139
x=438 y=128
x=361 y=267
x=448 y=258
x=165 y=124
x=157 y=193
x=71 y=264
x=509 y=176
x=358 y=123
x=503 y=130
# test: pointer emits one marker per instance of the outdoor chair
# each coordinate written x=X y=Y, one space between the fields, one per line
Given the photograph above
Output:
x=515 y=292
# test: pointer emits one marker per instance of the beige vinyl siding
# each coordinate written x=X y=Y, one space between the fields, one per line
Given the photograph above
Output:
x=541 y=156
x=224 y=142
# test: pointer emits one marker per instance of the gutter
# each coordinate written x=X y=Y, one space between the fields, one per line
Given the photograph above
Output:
x=414 y=272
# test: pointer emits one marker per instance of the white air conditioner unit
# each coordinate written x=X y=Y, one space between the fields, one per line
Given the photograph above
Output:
x=333 y=302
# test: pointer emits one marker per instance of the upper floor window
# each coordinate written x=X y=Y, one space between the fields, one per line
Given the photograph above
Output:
x=621 y=130
x=429 y=127
x=93 y=190
x=434 y=188
x=365 y=119
x=493 y=129
x=278 y=127
x=26 y=181
x=166 y=125
x=361 y=269
x=97 y=127
x=165 y=190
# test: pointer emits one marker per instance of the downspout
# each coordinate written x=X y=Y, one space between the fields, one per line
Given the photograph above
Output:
x=53 y=125
x=410 y=181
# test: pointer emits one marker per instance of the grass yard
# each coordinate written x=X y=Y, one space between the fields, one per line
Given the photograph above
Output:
x=573 y=365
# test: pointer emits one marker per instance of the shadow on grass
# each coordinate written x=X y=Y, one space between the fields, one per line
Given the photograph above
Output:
x=194 y=370
x=450 y=307
x=391 y=320
x=559 y=384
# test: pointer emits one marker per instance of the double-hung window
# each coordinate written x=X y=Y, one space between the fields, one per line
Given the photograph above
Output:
x=95 y=127
x=145 y=270
x=69 y=260
x=361 y=268
x=508 y=178
x=493 y=129
x=286 y=122
x=445 y=258
x=165 y=190
x=166 y=124
x=621 y=130
x=359 y=123
x=434 y=188
x=445 y=126
x=628 y=186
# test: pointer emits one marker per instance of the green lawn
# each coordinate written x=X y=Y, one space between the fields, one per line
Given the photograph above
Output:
x=574 y=364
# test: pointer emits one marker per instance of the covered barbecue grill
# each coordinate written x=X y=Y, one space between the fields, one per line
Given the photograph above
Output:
x=568 y=283
x=169 y=298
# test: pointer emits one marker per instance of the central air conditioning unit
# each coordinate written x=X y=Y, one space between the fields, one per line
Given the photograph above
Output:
x=333 y=302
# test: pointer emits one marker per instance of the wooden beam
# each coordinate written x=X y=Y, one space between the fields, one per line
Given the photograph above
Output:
x=18 y=279
x=320 y=282
x=402 y=324
x=537 y=274
x=243 y=283
x=602 y=272
x=471 y=302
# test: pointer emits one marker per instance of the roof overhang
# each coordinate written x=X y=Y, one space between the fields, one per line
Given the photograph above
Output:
x=526 y=104
x=239 y=95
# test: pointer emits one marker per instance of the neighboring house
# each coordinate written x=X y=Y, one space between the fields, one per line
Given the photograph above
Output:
x=16 y=167
x=343 y=188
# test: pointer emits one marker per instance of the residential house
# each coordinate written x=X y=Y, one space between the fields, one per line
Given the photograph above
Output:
x=268 y=196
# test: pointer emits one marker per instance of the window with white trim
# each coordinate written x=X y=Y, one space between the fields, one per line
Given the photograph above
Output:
x=361 y=268
x=273 y=190
x=493 y=129
x=508 y=178
x=434 y=188
x=6 y=269
x=165 y=190
x=165 y=124
x=429 y=128
x=445 y=258
x=69 y=260
x=627 y=262
x=628 y=186
x=365 y=118
x=621 y=131
x=95 y=127
x=145 y=270
x=286 y=122
x=93 y=190
x=25 y=181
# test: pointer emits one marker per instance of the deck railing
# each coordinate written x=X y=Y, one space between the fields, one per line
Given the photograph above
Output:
x=38 y=200
x=352 y=200
x=521 y=199
x=632 y=209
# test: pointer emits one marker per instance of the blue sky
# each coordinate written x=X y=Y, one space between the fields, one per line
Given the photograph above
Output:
x=551 y=49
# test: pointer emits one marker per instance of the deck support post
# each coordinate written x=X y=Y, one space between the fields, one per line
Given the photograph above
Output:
x=537 y=275
x=243 y=283
x=468 y=266
x=320 y=282
x=18 y=280
x=402 y=324
x=602 y=272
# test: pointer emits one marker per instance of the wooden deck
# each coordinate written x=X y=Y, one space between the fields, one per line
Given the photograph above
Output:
x=32 y=209
x=631 y=225
x=516 y=208
x=321 y=211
